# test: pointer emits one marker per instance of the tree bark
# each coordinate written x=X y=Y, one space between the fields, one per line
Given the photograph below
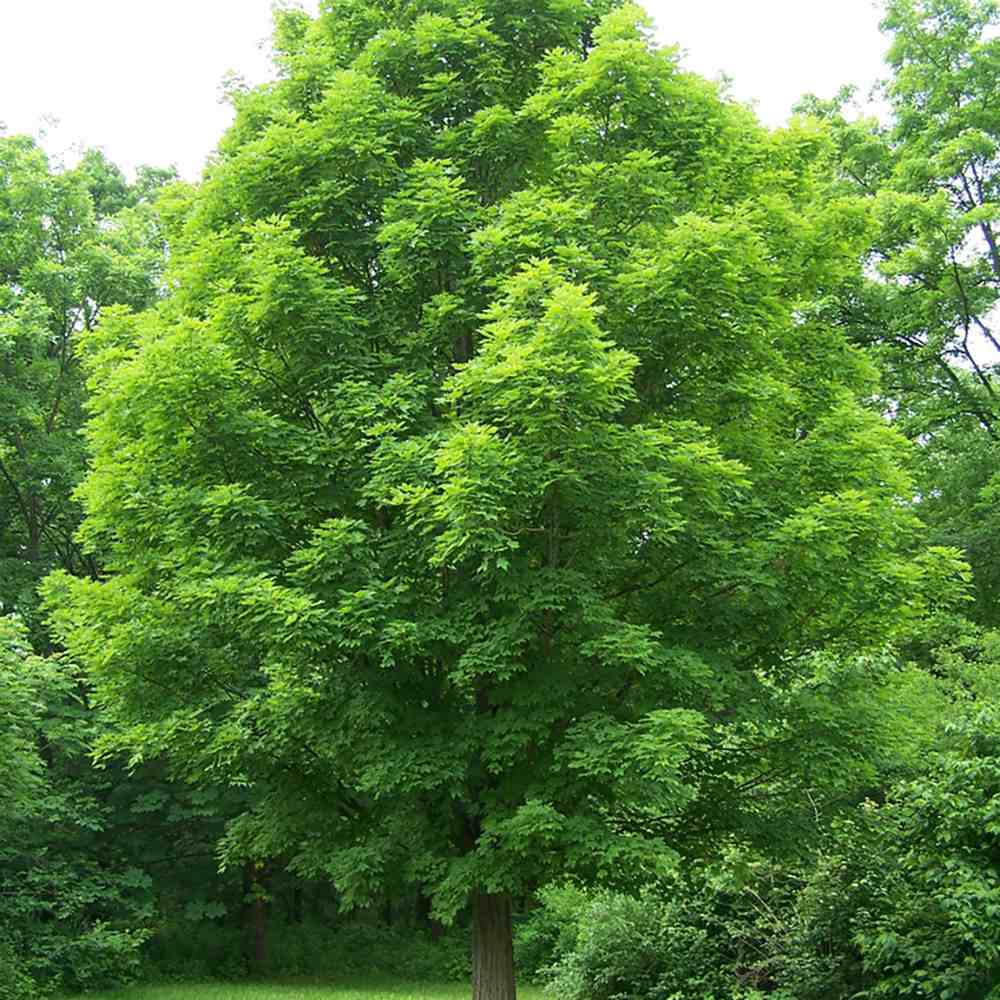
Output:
x=422 y=909
x=492 y=948
x=255 y=915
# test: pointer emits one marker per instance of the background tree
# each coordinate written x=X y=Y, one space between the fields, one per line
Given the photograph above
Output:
x=493 y=461
x=928 y=304
x=76 y=897
x=71 y=243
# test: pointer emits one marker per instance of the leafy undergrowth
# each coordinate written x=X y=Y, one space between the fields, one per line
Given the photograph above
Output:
x=302 y=989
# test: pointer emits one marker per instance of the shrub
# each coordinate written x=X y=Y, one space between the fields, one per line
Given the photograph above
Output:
x=643 y=948
x=195 y=949
x=907 y=903
x=15 y=982
x=548 y=933
x=100 y=957
x=207 y=949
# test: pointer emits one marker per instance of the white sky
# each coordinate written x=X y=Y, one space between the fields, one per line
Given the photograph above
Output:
x=141 y=78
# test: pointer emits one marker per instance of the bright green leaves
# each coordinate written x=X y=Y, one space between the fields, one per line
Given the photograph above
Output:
x=424 y=253
x=543 y=362
x=629 y=95
x=643 y=760
x=297 y=327
x=537 y=471
x=930 y=180
x=338 y=551
x=493 y=449
x=450 y=67
x=63 y=260
x=709 y=287
x=478 y=500
x=344 y=159
x=946 y=66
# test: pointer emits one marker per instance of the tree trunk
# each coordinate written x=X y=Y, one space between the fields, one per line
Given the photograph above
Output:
x=424 y=918
x=255 y=915
x=492 y=948
x=259 y=935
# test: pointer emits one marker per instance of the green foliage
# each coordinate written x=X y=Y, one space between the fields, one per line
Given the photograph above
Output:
x=937 y=925
x=367 y=988
x=195 y=950
x=73 y=242
x=15 y=981
x=70 y=915
x=901 y=901
x=208 y=950
x=494 y=499
x=927 y=307
x=708 y=934
x=549 y=932
x=640 y=949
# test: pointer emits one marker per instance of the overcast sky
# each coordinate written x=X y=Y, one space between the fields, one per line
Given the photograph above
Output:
x=141 y=78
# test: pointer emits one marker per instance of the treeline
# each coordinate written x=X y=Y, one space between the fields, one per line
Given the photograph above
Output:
x=514 y=497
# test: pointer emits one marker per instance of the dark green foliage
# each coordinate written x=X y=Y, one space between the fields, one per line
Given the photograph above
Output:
x=71 y=243
x=643 y=948
x=72 y=911
x=710 y=934
x=908 y=902
x=209 y=950
x=899 y=901
x=15 y=981
x=549 y=931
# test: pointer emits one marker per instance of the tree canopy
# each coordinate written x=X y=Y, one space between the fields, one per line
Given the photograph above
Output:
x=73 y=242
x=490 y=493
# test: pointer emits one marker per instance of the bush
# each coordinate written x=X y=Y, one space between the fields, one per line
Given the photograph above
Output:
x=206 y=949
x=366 y=949
x=188 y=949
x=101 y=957
x=907 y=902
x=643 y=948
x=548 y=933
x=15 y=982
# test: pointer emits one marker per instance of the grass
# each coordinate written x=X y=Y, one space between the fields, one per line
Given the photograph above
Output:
x=303 y=990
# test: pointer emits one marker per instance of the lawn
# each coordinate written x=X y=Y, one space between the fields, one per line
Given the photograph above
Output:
x=303 y=990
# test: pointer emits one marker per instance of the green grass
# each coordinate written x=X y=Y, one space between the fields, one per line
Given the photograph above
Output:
x=303 y=990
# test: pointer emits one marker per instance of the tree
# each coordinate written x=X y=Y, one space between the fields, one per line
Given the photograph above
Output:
x=75 y=900
x=72 y=242
x=491 y=459
x=927 y=307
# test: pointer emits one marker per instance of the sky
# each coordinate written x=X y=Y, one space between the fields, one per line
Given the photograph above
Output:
x=142 y=78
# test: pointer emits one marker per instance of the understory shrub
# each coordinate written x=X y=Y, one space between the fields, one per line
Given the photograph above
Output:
x=549 y=932
x=207 y=949
x=908 y=903
x=368 y=949
x=194 y=950
x=15 y=981
x=711 y=932
x=101 y=957
x=644 y=947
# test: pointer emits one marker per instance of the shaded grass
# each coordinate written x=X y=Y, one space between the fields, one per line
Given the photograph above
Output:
x=303 y=989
